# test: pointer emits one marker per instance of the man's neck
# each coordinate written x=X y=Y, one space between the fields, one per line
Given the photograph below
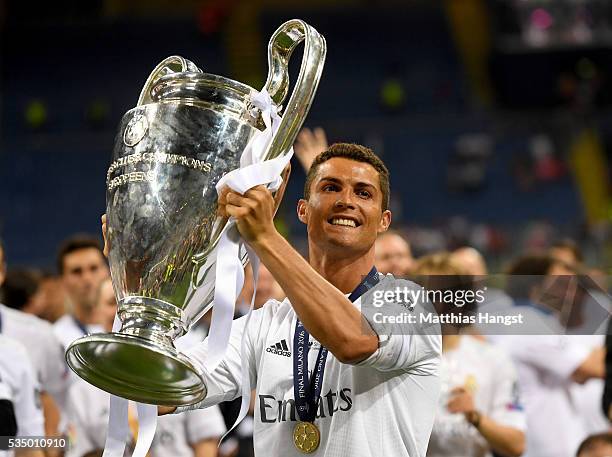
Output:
x=83 y=315
x=345 y=272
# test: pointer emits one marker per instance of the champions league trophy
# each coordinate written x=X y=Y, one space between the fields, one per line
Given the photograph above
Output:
x=188 y=129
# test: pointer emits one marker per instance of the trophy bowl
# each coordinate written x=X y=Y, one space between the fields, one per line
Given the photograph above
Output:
x=188 y=130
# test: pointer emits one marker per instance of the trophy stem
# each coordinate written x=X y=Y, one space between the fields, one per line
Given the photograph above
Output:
x=140 y=362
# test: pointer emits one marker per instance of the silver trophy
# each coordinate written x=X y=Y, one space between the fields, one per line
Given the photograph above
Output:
x=188 y=129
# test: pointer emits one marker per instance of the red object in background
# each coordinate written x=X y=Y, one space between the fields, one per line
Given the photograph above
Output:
x=549 y=168
x=211 y=15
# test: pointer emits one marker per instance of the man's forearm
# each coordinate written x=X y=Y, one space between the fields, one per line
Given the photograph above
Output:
x=507 y=441
x=324 y=310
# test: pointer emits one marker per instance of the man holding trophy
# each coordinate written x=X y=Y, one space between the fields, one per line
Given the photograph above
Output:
x=375 y=394
x=176 y=235
x=379 y=389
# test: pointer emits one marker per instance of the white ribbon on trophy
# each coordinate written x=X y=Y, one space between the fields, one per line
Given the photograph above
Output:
x=229 y=279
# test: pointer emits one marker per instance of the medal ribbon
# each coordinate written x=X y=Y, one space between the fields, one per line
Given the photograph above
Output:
x=80 y=325
x=307 y=391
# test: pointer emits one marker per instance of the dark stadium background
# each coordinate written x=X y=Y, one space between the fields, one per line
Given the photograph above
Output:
x=493 y=116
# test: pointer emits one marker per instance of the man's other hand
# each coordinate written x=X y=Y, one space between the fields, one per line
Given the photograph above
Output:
x=308 y=145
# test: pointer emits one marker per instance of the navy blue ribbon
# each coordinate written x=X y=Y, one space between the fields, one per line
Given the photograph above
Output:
x=307 y=391
x=80 y=325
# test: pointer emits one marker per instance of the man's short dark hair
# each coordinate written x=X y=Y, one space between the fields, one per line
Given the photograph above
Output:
x=73 y=244
x=354 y=152
x=593 y=442
x=527 y=272
x=19 y=287
x=570 y=245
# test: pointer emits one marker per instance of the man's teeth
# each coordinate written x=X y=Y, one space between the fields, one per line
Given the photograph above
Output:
x=347 y=222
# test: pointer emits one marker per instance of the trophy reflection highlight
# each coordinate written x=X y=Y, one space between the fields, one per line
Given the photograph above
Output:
x=188 y=129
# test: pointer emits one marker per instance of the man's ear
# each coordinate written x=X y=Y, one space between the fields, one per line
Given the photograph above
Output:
x=302 y=210
x=385 y=221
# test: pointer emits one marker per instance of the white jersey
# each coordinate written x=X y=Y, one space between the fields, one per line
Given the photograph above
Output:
x=44 y=349
x=489 y=374
x=67 y=329
x=382 y=406
x=17 y=374
x=545 y=364
x=88 y=409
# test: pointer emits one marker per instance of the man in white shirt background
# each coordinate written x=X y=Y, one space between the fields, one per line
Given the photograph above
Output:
x=548 y=364
x=20 y=385
x=393 y=254
x=82 y=267
x=44 y=350
x=480 y=410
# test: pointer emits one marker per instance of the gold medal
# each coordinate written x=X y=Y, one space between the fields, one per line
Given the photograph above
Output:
x=306 y=437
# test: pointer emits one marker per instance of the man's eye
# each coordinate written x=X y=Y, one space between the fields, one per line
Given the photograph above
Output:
x=364 y=194
x=329 y=188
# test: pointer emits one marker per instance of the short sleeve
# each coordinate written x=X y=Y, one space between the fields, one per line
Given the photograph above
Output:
x=204 y=424
x=506 y=405
x=406 y=342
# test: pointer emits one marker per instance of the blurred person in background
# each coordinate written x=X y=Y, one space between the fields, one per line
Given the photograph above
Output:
x=567 y=250
x=82 y=267
x=496 y=300
x=472 y=262
x=480 y=411
x=267 y=288
x=549 y=362
x=590 y=314
x=18 y=378
x=587 y=319
x=55 y=299
x=599 y=445
x=191 y=434
x=39 y=340
x=393 y=254
x=106 y=305
x=21 y=290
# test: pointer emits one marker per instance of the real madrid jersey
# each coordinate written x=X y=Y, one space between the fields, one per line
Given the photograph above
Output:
x=488 y=373
x=382 y=406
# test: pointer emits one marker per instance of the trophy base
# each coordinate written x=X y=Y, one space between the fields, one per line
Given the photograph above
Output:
x=135 y=368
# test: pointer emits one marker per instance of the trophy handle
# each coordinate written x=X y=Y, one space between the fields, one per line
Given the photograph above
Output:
x=280 y=48
x=165 y=67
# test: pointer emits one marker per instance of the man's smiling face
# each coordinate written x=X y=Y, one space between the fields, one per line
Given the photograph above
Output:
x=344 y=208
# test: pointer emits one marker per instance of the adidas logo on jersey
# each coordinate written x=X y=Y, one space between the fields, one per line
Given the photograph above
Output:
x=280 y=348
